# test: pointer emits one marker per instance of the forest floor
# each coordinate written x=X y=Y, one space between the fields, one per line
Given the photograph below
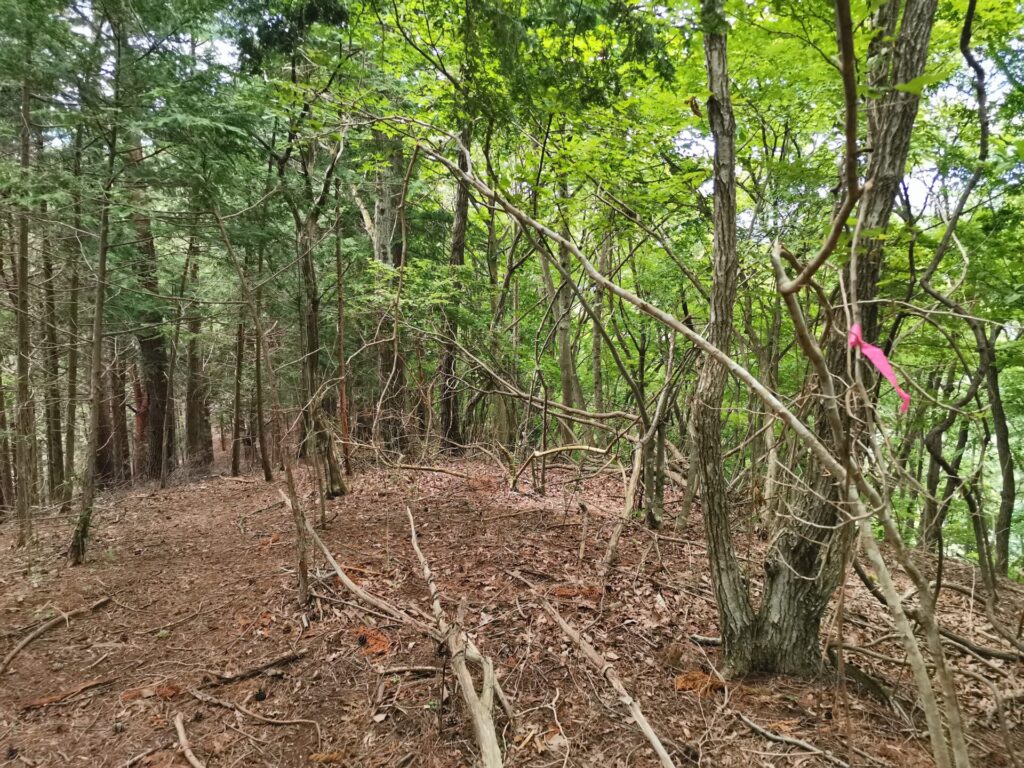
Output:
x=202 y=588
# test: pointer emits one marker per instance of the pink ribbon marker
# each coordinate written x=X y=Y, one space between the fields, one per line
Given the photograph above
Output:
x=880 y=361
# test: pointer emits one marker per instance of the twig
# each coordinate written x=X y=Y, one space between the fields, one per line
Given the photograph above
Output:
x=417 y=468
x=142 y=755
x=479 y=705
x=608 y=673
x=179 y=726
x=472 y=653
x=55 y=698
x=253 y=671
x=205 y=697
x=779 y=738
x=46 y=626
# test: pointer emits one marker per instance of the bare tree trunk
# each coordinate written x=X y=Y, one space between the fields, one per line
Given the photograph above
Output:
x=6 y=467
x=198 y=435
x=153 y=356
x=54 y=432
x=70 y=420
x=76 y=551
x=106 y=463
x=301 y=542
x=140 y=427
x=807 y=561
x=236 y=412
x=313 y=407
x=261 y=427
x=343 y=406
x=24 y=428
x=1004 y=450
x=451 y=430
x=120 y=443
x=735 y=613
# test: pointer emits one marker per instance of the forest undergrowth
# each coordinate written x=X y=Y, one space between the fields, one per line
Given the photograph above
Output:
x=202 y=625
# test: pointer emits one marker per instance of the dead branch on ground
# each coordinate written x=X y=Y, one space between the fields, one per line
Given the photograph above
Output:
x=809 y=749
x=608 y=673
x=479 y=705
x=179 y=726
x=65 y=617
x=208 y=699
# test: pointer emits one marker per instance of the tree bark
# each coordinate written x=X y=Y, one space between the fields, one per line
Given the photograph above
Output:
x=6 y=465
x=70 y=420
x=76 y=551
x=339 y=270
x=120 y=443
x=236 y=411
x=806 y=563
x=736 y=615
x=153 y=358
x=261 y=426
x=198 y=434
x=24 y=428
x=452 y=439
x=54 y=432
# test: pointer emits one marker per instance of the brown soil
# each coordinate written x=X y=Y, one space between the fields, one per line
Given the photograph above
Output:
x=202 y=583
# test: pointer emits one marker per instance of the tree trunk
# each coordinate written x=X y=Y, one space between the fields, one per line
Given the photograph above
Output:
x=198 y=434
x=153 y=356
x=54 y=432
x=76 y=551
x=141 y=423
x=806 y=563
x=343 y=406
x=735 y=613
x=1004 y=450
x=313 y=408
x=6 y=467
x=24 y=428
x=106 y=461
x=452 y=439
x=236 y=411
x=120 y=443
x=261 y=426
x=70 y=420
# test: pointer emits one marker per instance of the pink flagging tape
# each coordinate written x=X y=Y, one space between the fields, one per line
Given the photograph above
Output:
x=879 y=360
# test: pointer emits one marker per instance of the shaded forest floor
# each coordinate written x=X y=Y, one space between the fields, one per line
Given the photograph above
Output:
x=201 y=580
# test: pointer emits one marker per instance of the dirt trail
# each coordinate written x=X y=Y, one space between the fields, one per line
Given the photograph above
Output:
x=202 y=585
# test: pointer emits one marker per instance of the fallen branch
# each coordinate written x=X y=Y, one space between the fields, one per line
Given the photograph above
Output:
x=45 y=701
x=472 y=654
x=779 y=738
x=479 y=705
x=65 y=617
x=207 y=698
x=143 y=755
x=439 y=470
x=253 y=671
x=179 y=726
x=608 y=673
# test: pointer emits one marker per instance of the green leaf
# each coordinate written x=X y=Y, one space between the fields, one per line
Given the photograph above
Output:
x=918 y=84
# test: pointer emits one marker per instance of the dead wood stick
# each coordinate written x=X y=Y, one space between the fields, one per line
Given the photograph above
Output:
x=45 y=701
x=608 y=673
x=253 y=671
x=48 y=625
x=382 y=605
x=472 y=654
x=179 y=726
x=439 y=470
x=205 y=697
x=479 y=705
x=779 y=738
x=143 y=755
